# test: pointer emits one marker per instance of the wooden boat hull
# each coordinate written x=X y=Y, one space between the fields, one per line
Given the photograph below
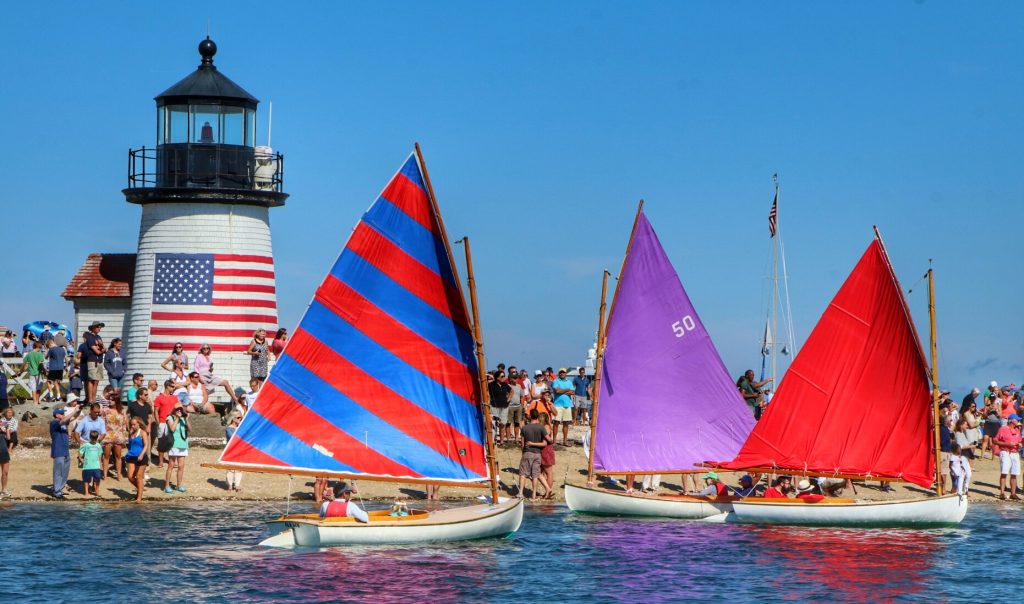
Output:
x=602 y=502
x=935 y=511
x=455 y=524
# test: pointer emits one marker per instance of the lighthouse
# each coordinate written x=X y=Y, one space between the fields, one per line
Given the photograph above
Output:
x=204 y=267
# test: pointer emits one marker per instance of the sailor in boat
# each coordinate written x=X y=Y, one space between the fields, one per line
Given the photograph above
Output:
x=805 y=492
x=340 y=505
x=713 y=487
x=780 y=488
x=746 y=488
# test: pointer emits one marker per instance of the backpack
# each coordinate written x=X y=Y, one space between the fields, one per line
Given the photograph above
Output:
x=165 y=443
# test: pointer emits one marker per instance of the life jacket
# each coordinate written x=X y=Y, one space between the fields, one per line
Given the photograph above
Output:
x=723 y=490
x=337 y=509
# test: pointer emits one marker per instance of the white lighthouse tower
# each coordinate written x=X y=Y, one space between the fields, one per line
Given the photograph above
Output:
x=204 y=271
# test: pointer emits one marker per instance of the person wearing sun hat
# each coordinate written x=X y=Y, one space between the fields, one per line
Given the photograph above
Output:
x=805 y=492
x=713 y=486
x=1007 y=442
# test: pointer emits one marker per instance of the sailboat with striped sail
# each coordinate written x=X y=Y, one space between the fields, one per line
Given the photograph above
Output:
x=855 y=403
x=382 y=380
x=665 y=402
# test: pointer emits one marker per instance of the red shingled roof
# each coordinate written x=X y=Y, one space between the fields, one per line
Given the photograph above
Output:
x=103 y=276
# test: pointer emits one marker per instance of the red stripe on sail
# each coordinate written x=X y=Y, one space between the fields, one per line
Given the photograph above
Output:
x=383 y=402
x=216 y=317
x=239 y=451
x=243 y=258
x=397 y=339
x=298 y=420
x=405 y=270
x=406 y=196
x=243 y=287
x=245 y=272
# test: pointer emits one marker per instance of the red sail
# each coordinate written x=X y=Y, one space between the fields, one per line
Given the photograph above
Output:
x=856 y=399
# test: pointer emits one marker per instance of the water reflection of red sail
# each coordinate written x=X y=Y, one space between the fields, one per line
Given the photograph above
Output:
x=849 y=565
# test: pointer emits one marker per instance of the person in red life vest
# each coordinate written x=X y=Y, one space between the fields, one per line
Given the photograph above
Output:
x=805 y=492
x=341 y=506
x=780 y=488
x=713 y=488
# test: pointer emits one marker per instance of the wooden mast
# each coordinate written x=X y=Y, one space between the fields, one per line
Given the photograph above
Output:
x=601 y=343
x=485 y=399
x=597 y=376
x=935 y=378
x=485 y=402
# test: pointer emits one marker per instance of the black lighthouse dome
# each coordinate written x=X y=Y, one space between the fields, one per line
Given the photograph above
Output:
x=206 y=144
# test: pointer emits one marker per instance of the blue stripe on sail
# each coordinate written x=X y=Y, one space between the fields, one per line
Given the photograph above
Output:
x=279 y=444
x=411 y=170
x=361 y=424
x=403 y=306
x=410 y=236
x=403 y=379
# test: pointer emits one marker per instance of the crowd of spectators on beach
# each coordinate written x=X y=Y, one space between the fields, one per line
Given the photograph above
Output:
x=120 y=430
x=138 y=422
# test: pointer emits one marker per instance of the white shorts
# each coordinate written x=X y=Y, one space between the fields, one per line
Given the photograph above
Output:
x=161 y=429
x=501 y=413
x=178 y=453
x=562 y=414
x=1009 y=463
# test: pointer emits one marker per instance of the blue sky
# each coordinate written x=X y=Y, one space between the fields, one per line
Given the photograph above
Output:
x=542 y=126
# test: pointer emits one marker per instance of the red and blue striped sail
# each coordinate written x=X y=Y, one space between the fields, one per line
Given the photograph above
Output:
x=379 y=378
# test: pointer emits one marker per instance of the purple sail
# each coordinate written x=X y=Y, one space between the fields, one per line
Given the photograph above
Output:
x=666 y=401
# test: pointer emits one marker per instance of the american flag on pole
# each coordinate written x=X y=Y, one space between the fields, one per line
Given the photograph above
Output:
x=220 y=299
x=773 y=215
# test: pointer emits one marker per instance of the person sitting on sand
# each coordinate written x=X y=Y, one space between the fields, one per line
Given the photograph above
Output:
x=714 y=487
x=780 y=488
x=339 y=505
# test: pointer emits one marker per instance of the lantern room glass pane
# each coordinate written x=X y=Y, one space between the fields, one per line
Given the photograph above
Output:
x=206 y=124
x=250 y=127
x=176 y=128
x=233 y=120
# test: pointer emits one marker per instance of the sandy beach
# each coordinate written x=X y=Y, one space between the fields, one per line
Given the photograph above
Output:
x=31 y=471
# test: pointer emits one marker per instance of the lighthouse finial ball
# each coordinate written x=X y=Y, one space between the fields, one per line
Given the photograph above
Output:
x=207 y=48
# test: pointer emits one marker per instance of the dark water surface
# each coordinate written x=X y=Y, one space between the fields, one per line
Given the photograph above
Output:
x=205 y=551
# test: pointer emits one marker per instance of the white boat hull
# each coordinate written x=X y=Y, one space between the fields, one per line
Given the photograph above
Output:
x=586 y=500
x=934 y=511
x=455 y=524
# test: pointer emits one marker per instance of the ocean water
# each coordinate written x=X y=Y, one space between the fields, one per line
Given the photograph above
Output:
x=206 y=552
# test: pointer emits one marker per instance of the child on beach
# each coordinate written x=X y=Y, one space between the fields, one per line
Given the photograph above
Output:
x=234 y=477
x=89 y=455
x=9 y=426
x=959 y=470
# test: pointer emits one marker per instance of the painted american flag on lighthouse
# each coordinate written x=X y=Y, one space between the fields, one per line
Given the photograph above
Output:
x=219 y=299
